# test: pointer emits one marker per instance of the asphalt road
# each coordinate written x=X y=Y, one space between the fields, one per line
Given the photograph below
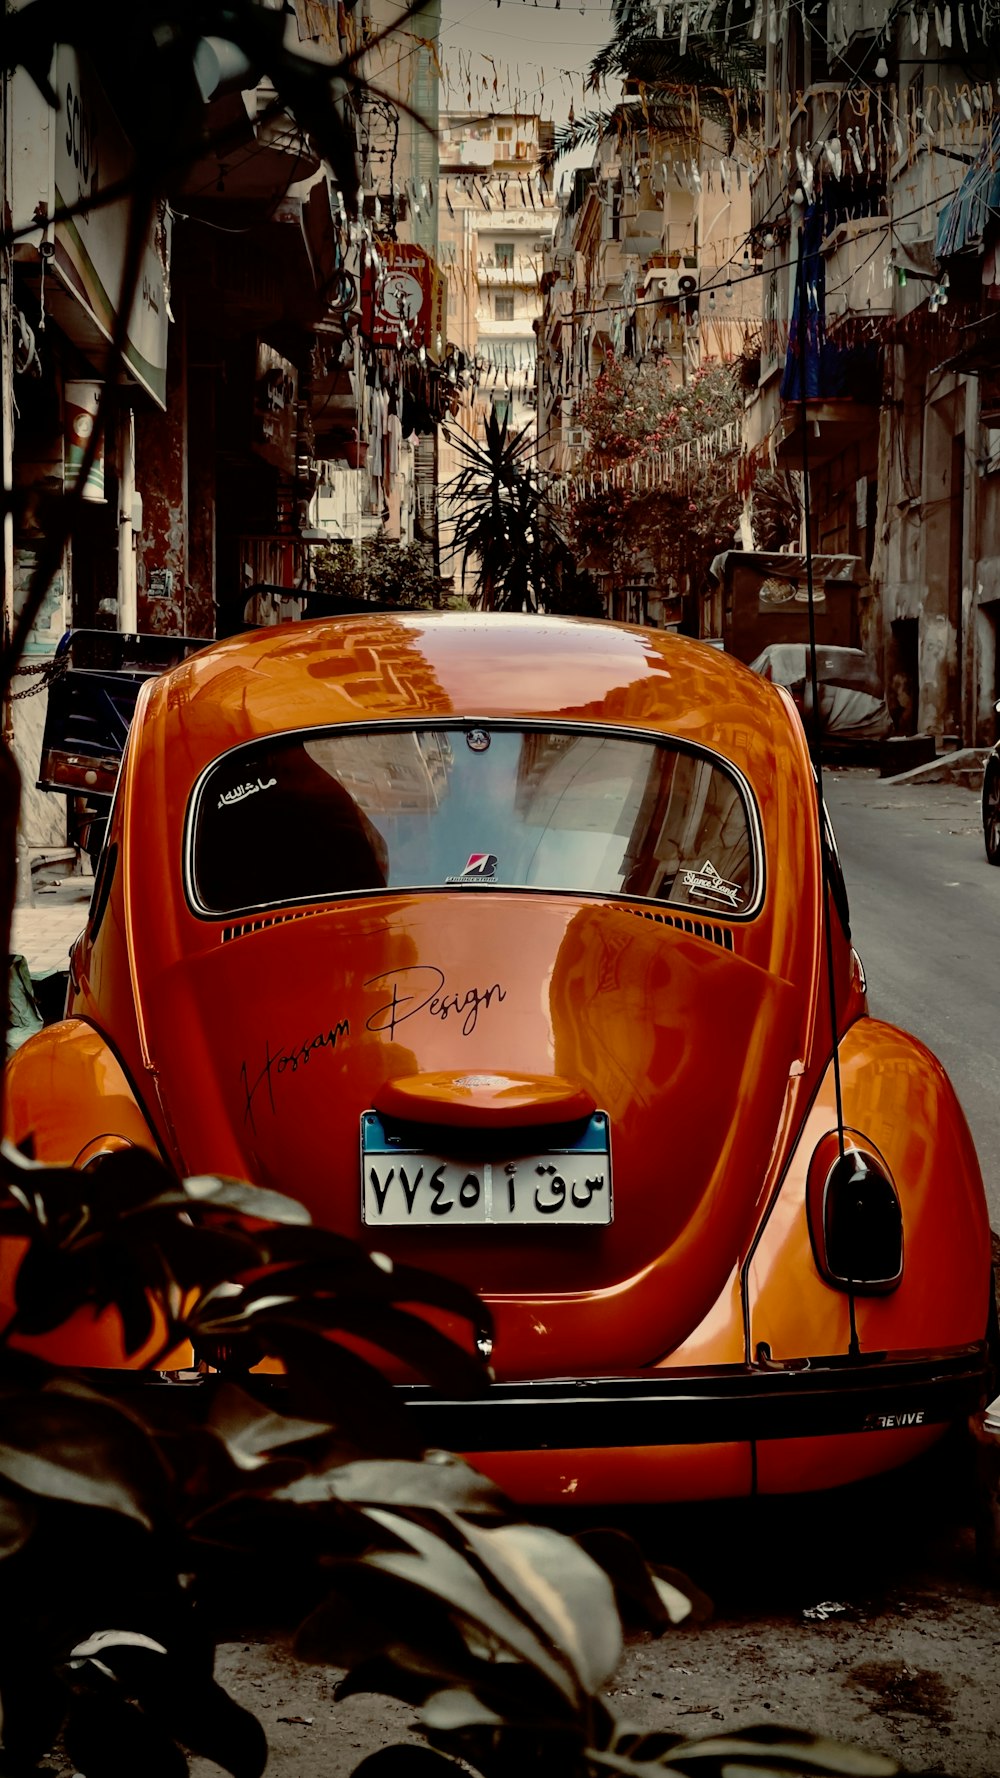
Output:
x=925 y=914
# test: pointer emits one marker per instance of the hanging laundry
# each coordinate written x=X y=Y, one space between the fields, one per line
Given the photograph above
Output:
x=685 y=22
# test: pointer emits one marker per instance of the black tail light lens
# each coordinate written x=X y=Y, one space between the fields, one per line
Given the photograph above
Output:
x=855 y=1218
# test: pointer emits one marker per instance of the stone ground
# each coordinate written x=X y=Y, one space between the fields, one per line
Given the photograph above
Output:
x=870 y=1625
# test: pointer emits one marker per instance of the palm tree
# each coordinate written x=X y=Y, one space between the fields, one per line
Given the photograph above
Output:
x=710 y=47
x=498 y=504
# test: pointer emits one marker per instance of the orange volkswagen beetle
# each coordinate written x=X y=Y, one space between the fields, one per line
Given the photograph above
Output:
x=499 y=940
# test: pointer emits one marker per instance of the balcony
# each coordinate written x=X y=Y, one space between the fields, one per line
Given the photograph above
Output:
x=859 y=277
x=255 y=153
x=832 y=383
x=519 y=328
x=522 y=275
x=833 y=426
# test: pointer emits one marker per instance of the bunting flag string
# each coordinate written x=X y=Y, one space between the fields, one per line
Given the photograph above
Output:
x=674 y=471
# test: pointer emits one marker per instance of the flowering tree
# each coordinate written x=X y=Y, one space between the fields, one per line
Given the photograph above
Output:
x=634 y=412
x=634 y=409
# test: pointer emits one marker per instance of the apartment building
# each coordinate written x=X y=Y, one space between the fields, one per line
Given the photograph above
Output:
x=650 y=265
x=879 y=366
x=496 y=229
x=497 y=220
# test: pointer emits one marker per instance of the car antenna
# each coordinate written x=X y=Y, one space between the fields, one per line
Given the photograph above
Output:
x=813 y=732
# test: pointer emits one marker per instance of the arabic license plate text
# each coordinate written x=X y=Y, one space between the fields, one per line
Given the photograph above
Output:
x=409 y=1189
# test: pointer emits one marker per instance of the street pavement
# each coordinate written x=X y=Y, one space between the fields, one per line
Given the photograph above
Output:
x=43 y=931
x=925 y=916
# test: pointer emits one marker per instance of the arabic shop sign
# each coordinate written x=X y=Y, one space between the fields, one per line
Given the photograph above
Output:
x=92 y=156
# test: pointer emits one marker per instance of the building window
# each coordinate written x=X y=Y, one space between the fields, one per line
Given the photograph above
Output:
x=504 y=132
x=503 y=253
x=503 y=308
x=503 y=407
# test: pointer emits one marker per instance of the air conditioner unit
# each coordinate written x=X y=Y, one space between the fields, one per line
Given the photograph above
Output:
x=660 y=280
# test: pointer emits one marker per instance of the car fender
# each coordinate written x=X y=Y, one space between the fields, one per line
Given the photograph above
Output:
x=897 y=1095
x=66 y=1091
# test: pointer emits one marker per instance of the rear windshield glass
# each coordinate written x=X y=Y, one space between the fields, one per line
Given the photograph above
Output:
x=311 y=816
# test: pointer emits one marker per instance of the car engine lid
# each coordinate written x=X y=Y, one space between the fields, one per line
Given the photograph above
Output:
x=467 y=1100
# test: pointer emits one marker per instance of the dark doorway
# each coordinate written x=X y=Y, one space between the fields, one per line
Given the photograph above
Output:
x=902 y=690
x=94 y=576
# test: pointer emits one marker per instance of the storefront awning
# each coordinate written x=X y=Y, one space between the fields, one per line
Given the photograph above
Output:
x=963 y=222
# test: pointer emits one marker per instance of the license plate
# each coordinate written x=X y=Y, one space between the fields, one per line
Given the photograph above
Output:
x=410 y=1188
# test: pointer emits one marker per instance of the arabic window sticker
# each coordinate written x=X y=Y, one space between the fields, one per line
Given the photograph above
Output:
x=706 y=884
x=240 y=792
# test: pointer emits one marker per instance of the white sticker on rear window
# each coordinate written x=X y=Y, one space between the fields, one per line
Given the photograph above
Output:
x=707 y=885
x=241 y=791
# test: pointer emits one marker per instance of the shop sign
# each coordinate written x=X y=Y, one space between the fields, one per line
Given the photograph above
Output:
x=82 y=400
x=92 y=155
x=405 y=302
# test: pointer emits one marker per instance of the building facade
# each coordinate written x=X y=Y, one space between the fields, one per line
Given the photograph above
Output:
x=497 y=221
x=872 y=218
x=647 y=271
x=281 y=373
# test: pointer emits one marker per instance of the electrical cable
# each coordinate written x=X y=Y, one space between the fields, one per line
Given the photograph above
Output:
x=854 y=1349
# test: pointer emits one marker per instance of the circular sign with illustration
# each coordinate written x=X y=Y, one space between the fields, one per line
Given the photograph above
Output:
x=402 y=296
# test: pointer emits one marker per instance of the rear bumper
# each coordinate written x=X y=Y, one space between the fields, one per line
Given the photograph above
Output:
x=814 y=1398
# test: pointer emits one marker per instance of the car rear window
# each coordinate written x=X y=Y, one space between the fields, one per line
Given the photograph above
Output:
x=318 y=815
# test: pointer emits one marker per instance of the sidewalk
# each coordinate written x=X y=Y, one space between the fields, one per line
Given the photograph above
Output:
x=43 y=932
